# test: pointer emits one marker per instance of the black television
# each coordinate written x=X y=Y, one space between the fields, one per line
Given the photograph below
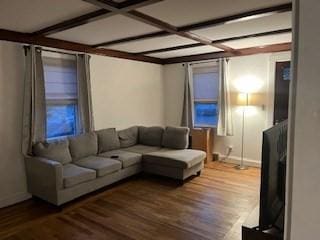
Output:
x=273 y=177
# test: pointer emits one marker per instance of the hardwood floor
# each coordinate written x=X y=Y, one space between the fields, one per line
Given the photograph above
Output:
x=212 y=206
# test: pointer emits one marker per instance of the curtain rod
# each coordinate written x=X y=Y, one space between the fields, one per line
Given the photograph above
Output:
x=201 y=62
x=53 y=51
x=211 y=61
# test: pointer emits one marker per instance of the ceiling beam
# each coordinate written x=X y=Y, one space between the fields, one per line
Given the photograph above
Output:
x=139 y=16
x=171 y=48
x=239 y=52
x=210 y=23
x=121 y=7
x=134 y=38
x=244 y=16
x=134 y=4
x=27 y=38
x=72 y=46
x=94 y=16
x=171 y=29
x=262 y=34
x=75 y=22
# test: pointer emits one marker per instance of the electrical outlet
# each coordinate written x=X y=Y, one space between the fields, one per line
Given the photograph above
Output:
x=229 y=150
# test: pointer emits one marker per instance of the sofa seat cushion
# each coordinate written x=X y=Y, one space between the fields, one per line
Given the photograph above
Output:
x=127 y=158
x=185 y=158
x=73 y=175
x=142 y=149
x=101 y=165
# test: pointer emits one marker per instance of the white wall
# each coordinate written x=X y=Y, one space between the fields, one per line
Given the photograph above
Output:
x=256 y=66
x=303 y=214
x=12 y=175
x=173 y=77
x=257 y=119
x=126 y=93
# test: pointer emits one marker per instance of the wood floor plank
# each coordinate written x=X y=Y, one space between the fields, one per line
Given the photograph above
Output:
x=151 y=218
x=212 y=206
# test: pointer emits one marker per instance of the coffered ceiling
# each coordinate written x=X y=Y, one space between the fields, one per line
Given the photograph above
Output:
x=149 y=30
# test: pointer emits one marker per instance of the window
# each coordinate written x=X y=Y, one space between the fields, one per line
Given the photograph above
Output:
x=206 y=93
x=61 y=96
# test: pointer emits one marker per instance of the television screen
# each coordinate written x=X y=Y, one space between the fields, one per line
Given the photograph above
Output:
x=272 y=191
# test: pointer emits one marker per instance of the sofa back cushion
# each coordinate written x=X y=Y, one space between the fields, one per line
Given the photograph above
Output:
x=128 y=137
x=83 y=145
x=151 y=136
x=108 y=140
x=176 y=137
x=57 y=151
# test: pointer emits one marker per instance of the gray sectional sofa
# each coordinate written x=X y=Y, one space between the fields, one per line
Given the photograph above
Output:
x=64 y=170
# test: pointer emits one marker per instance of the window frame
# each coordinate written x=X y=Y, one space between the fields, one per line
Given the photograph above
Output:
x=64 y=101
x=199 y=100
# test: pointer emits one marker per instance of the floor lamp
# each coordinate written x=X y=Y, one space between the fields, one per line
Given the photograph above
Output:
x=241 y=166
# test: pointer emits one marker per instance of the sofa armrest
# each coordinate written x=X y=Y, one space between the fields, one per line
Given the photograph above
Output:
x=43 y=174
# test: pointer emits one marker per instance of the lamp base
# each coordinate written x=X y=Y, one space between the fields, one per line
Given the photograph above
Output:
x=241 y=167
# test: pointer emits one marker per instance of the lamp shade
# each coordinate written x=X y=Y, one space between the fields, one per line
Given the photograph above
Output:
x=243 y=99
x=254 y=99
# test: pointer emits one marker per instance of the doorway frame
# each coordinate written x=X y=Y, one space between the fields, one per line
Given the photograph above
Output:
x=291 y=117
x=274 y=58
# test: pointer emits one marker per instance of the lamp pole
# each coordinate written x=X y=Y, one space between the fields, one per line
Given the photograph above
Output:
x=242 y=166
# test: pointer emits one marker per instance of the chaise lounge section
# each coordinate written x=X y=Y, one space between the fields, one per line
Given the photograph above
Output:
x=61 y=171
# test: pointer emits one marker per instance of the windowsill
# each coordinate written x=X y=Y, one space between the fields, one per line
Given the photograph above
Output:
x=205 y=126
x=61 y=138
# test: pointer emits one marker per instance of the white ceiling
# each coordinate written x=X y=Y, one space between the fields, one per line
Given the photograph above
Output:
x=106 y=29
x=152 y=43
x=33 y=15
x=258 y=25
x=185 y=52
x=260 y=41
x=183 y=12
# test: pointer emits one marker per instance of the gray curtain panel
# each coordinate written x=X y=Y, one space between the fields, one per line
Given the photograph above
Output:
x=188 y=105
x=225 y=122
x=34 y=112
x=84 y=98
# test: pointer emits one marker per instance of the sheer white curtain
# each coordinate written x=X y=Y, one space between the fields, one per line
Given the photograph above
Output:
x=188 y=105
x=225 y=122
x=34 y=111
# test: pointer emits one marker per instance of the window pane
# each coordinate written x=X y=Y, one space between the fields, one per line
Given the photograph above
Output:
x=61 y=120
x=206 y=85
x=206 y=114
x=60 y=78
x=61 y=95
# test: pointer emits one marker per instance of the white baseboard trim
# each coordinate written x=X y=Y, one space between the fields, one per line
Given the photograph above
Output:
x=15 y=198
x=236 y=160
